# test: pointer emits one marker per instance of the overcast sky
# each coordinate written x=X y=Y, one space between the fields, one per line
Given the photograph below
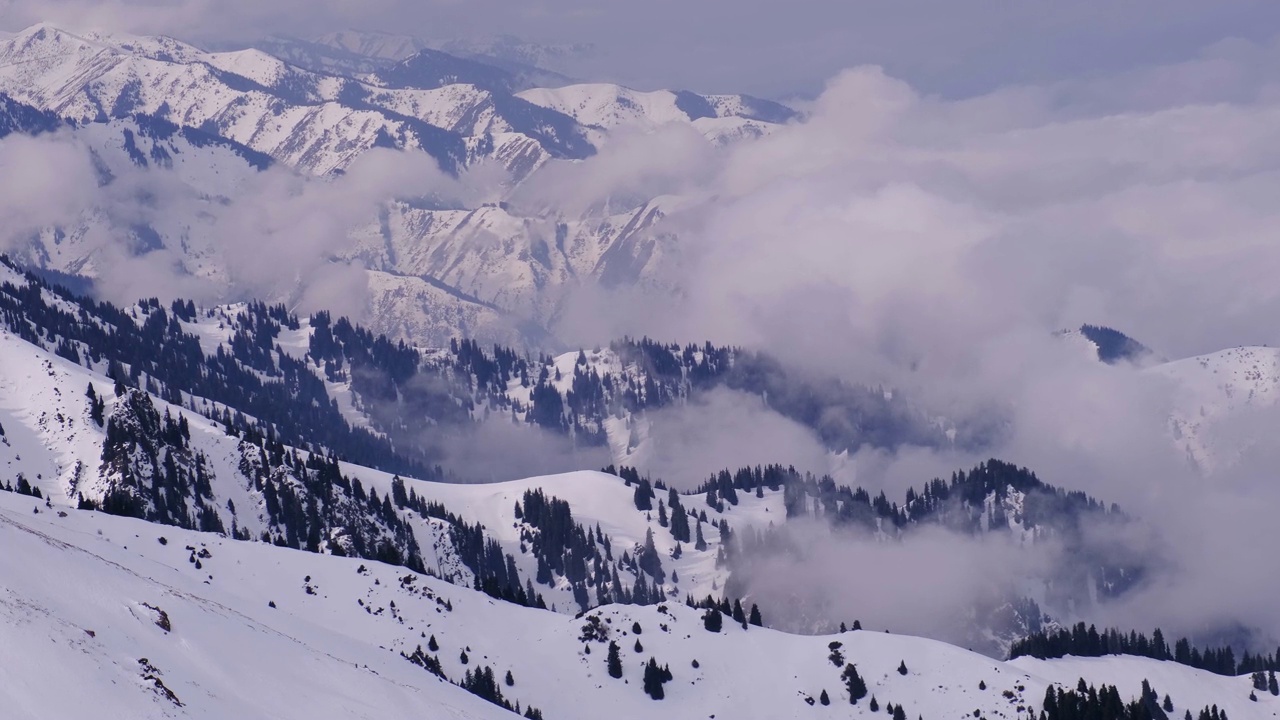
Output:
x=768 y=47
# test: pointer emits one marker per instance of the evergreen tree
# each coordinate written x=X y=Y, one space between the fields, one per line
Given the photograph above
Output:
x=712 y=620
x=853 y=684
x=899 y=713
x=875 y=706
x=649 y=561
x=679 y=519
x=824 y=698
x=654 y=677
x=614 y=661
x=97 y=407
x=643 y=496
x=432 y=645
x=902 y=667
x=755 y=618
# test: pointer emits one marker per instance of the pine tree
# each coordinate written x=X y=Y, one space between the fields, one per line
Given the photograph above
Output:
x=875 y=706
x=97 y=406
x=899 y=713
x=614 y=662
x=1168 y=703
x=432 y=645
x=712 y=620
x=853 y=684
x=639 y=648
x=824 y=698
x=755 y=618
x=649 y=561
x=510 y=680
x=679 y=519
x=654 y=677
x=902 y=667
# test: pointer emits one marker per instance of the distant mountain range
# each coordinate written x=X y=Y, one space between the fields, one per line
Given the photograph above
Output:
x=315 y=107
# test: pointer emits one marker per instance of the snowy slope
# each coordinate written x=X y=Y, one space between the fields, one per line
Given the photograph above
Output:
x=601 y=499
x=332 y=643
x=81 y=610
x=1216 y=395
x=49 y=439
x=1188 y=688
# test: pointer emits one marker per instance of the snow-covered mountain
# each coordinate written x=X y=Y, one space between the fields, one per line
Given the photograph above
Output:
x=153 y=620
x=722 y=118
x=504 y=268
x=459 y=111
x=160 y=622
x=511 y=49
x=314 y=122
x=1220 y=399
x=231 y=419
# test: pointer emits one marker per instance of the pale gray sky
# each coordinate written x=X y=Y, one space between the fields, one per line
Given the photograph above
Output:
x=768 y=47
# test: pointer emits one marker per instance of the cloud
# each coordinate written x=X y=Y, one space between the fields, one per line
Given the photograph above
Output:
x=42 y=181
x=688 y=443
x=935 y=246
x=142 y=232
x=521 y=451
x=930 y=583
x=282 y=233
